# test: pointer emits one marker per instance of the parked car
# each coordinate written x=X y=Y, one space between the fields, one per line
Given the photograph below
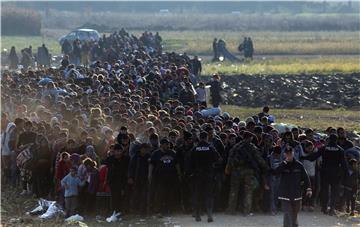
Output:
x=81 y=34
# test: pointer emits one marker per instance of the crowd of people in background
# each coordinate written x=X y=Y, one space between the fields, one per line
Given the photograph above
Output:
x=246 y=47
x=28 y=58
x=130 y=130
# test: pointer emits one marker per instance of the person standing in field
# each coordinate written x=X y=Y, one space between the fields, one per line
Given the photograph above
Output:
x=14 y=59
x=215 y=90
x=215 y=49
x=196 y=66
x=66 y=47
x=250 y=48
x=43 y=57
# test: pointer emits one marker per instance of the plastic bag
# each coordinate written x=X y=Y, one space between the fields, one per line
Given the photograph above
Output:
x=75 y=217
x=43 y=206
x=114 y=217
x=211 y=112
x=52 y=211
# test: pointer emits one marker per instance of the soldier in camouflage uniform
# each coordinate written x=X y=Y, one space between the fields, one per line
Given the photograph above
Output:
x=245 y=165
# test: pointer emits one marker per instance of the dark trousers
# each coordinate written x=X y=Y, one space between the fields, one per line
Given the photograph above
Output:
x=203 y=190
x=186 y=190
x=165 y=193
x=116 y=197
x=291 y=210
x=309 y=201
x=350 y=195
x=140 y=196
x=41 y=185
x=326 y=182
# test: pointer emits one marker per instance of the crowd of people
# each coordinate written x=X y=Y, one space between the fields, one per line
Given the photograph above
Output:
x=132 y=131
x=247 y=47
x=28 y=58
x=107 y=48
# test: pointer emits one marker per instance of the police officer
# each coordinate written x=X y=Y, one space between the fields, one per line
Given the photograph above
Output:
x=332 y=167
x=245 y=165
x=292 y=174
x=203 y=158
x=165 y=170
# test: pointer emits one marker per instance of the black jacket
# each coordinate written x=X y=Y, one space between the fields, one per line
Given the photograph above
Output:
x=292 y=175
x=203 y=158
x=117 y=170
x=333 y=160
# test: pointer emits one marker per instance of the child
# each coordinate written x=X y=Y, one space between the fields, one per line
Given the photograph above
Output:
x=71 y=184
x=351 y=186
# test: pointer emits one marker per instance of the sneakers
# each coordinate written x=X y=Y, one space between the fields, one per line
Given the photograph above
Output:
x=352 y=213
x=197 y=218
x=210 y=219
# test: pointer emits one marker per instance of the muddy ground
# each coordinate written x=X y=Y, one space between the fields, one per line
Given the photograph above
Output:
x=14 y=208
x=293 y=91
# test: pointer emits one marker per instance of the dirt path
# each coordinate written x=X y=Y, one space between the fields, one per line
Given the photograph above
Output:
x=305 y=219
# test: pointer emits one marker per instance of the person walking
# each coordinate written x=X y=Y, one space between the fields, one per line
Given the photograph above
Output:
x=202 y=159
x=292 y=175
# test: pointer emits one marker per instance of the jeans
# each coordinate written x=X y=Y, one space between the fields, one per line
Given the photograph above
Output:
x=274 y=188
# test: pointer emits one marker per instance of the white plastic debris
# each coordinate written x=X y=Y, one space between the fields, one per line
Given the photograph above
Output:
x=52 y=211
x=75 y=217
x=114 y=217
x=43 y=206
x=38 y=210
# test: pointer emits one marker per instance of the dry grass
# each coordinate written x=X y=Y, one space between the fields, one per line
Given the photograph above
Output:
x=200 y=42
x=317 y=119
x=290 y=65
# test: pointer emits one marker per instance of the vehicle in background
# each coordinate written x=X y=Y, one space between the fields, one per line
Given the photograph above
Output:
x=82 y=34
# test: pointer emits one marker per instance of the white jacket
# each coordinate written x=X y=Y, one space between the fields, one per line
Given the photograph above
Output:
x=5 y=139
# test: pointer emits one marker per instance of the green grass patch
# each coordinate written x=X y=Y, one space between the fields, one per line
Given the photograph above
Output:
x=317 y=119
x=317 y=65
